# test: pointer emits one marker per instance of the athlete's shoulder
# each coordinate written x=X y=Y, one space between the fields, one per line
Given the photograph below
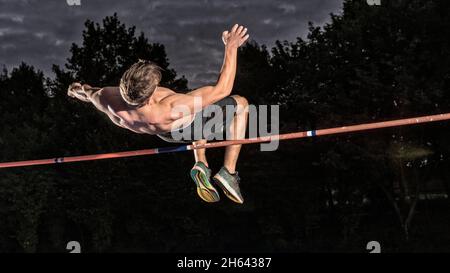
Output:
x=163 y=95
x=109 y=90
x=161 y=89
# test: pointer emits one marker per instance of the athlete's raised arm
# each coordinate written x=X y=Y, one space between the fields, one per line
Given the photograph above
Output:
x=210 y=94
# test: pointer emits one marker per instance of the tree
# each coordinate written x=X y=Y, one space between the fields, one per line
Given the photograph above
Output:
x=255 y=78
x=23 y=195
x=109 y=49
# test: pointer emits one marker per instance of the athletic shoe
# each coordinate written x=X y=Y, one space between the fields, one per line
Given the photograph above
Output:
x=229 y=183
x=202 y=176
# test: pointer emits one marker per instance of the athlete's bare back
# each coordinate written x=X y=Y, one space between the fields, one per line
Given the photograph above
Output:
x=156 y=117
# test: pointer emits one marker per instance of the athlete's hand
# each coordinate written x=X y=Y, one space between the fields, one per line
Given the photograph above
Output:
x=76 y=90
x=236 y=37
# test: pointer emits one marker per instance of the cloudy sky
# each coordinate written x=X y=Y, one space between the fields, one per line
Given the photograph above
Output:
x=41 y=32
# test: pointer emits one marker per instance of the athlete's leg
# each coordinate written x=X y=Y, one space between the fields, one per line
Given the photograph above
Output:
x=227 y=178
x=200 y=154
x=238 y=127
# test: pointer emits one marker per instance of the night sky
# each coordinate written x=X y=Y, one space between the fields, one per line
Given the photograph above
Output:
x=41 y=32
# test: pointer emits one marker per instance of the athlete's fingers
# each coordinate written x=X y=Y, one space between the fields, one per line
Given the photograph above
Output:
x=243 y=40
x=239 y=30
x=244 y=31
x=235 y=27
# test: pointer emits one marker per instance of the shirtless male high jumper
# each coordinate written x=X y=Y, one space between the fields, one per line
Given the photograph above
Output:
x=142 y=106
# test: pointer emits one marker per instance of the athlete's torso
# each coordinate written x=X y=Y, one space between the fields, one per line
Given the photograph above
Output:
x=154 y=118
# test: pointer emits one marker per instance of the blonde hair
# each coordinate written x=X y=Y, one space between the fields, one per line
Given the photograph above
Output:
x=139 y=82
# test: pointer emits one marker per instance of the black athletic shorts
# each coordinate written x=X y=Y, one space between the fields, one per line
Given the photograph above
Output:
x=201 y=129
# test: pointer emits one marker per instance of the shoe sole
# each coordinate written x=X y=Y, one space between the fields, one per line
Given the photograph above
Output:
x=205 y=190
x=229 y=192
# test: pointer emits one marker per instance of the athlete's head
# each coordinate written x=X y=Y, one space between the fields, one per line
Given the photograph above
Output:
x=139 y=82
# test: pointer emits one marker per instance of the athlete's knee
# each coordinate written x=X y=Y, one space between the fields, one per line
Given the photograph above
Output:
x=240 y=100
x=199 y=142
x=242 y=107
